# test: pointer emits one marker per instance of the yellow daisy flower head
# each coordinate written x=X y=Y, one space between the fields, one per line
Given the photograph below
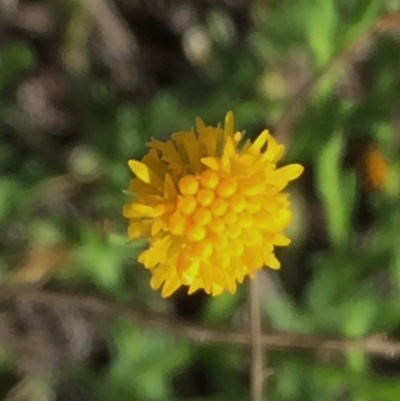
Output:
x=210 y=205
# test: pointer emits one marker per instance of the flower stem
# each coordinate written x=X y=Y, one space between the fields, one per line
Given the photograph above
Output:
x=257 y=357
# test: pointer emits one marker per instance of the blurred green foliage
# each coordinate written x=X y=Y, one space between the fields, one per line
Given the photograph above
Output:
x=341 y=275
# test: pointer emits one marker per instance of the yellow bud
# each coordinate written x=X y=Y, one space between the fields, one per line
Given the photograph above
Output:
x=246 y=219
x=187 y=266
x=233 y=231
x=218 y=240
x=209 y=179
x=254 y=204
x=237 y=202
x=205 y=197
x=195 y=233
x=220 y=260
x=177 y=223
x=236 y=247
x=226 y=188
x=202 y=250
x=217 y=225
x=188 y=185
x=202 y=216
x=219 y=207
x=187 y=204
x=230 y=217
x=263 y=219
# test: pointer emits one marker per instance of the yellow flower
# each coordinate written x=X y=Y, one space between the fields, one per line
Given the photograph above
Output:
x=375 y=168
x=210 y=205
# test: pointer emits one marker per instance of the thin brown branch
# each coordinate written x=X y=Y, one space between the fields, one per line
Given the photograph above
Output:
x=257 y=360
x=384 y=24
x=119 y=41
x=374 y=345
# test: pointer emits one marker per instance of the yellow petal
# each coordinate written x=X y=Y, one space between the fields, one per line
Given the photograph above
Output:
x=283 y=175
x=229 y=148
x=208 y=141
x=237 y=167
x=144 y=174
x=280 y=240
x=229 y=124
x=257 y=145
x=188 y=144
x=169 y=187
x=136 y=210
x=199 y=124
x=211 y=162
x=157 y=226
x=216 y=290
x=289 y=172
x=277 y=154
x=247 y=159
x=196 y=285
x=231 y=284
x=138 y=228
x=159 y=274
x=139 y=187
x=237 y=137
x=167 y=149
x=274 y=151
x=170 y=286
x=272 y=262
x=143 y=257
x=156 y=253
x=154 y=163
x=282 y=219
x=206 y=274
x=245 y=147
x=189 y=274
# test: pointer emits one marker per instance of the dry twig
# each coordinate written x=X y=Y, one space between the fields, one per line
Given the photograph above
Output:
x=375 y=345
x=118 y=39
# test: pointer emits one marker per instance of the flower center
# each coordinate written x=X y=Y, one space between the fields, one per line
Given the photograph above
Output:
x=213 y=213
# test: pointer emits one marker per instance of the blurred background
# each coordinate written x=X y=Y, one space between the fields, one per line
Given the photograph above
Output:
x=84 y=84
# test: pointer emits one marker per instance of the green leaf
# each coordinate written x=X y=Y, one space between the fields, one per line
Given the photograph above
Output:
x=365 y=14
x=9 y=196
x=102 y=260
x=321 y=27
x=15 y=58
x=359 y=316
x=337 y=190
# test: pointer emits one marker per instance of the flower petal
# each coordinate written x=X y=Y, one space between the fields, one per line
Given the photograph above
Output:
x=280 y=240
x=188 y=143
x=143 y=172
x=157 y=226
x=283 y=175
x=229 y=148
x=207 y=140
x=212 y=162
x=137 y=186
x=156 y=253
x=138 y=229
x=289 y=172
x=136 y=210
x=167 y=149
x=170 y=286
x=257 y=145
x=272 y=262
x=229 y=124
x=170 y=191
